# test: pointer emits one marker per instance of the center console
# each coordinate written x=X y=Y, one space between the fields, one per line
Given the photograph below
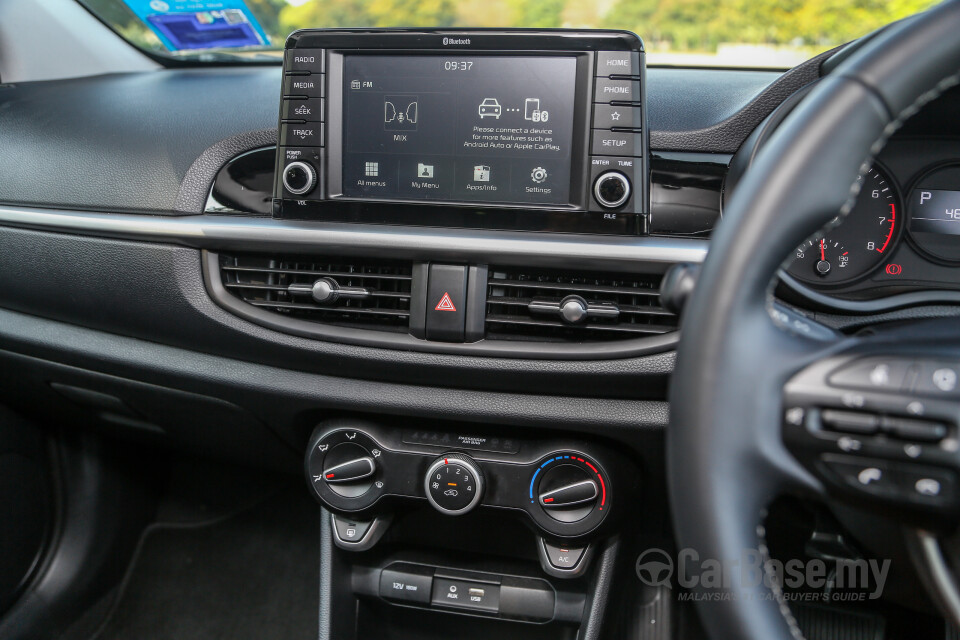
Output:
x=541 y=131
x=441 y=522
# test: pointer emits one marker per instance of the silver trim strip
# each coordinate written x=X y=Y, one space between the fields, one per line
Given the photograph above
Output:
x=416 y=243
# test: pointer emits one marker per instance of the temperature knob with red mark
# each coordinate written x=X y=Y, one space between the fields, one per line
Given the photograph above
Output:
x=568 y=488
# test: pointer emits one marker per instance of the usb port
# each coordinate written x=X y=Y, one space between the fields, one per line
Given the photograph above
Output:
x=476 y=593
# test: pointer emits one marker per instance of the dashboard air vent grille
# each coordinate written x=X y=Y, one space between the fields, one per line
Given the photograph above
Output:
x=354 y=292
x=558 y=305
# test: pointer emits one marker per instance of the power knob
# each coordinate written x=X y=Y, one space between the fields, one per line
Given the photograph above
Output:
x=454 y=484
x=299 y=178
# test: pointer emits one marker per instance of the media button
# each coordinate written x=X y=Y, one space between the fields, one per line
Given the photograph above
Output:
x=310 y=109
x=618 y=63
x=307 y=86
x=609 y=90
x=607 y=116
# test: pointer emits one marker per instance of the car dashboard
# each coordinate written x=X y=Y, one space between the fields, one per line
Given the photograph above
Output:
x=462 y=353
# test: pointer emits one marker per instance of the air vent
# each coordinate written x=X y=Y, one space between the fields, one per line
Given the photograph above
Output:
x=372 y=294
x=525 y=304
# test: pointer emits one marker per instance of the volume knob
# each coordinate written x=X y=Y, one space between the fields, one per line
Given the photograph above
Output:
x=454 y=484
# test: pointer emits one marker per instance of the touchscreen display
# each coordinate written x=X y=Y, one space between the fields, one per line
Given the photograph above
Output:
x=494 y=129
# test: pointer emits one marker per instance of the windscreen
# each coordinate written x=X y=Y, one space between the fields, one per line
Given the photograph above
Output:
x=714 y=33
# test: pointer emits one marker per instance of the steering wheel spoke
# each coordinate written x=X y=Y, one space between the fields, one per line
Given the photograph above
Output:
x=872 y=425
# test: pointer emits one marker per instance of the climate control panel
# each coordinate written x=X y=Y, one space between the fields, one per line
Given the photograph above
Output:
x=565 y=489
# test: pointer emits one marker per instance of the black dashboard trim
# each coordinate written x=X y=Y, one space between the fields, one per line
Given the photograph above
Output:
x=868 y=307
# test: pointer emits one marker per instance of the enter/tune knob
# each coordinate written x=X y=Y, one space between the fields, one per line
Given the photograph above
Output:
x=454 y=484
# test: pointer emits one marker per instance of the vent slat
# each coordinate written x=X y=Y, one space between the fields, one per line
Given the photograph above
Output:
x=320 y=273
x=347 y=310
x=576 y=287
x=282 y=289
x=635 y=296
x=624 y=308
x=264 y=281
x=623 y=328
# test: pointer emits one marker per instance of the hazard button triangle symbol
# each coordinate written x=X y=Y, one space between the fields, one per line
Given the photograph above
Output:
x=445 y=304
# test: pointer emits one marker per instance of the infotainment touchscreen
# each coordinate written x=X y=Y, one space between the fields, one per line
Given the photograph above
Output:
x=476 y=128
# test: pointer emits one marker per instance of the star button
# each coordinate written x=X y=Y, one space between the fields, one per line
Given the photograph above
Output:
x=615 y=116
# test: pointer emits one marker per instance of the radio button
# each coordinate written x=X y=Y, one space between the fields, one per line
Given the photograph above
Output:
x=297 y=109
x=307 y=86
x=607 y=116
x=307 y=134
x=610 y=90
x=618 y=63
x=610 y=143
x=309 y=60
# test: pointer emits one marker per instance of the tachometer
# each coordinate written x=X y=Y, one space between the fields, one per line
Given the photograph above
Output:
x=860 y=243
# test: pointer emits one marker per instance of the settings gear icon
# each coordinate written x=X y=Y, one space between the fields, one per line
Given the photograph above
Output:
x=538 y=175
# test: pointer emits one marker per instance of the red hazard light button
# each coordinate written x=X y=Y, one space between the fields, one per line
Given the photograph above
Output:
x=446 y=302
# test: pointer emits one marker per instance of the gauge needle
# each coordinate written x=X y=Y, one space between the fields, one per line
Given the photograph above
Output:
x=823 y=254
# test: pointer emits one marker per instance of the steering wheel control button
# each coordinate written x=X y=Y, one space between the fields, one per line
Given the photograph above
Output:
x=938 y=379
x=872 y=373
x=446 y=303
x=351 y=531
x=463 y=594
x=850 y=422
x=618 y=63
x=607 y=116
x=454 y=484
x=407 y=584
x=612 y=190
x=299 y=178
x=867 y=476
x=914 y=430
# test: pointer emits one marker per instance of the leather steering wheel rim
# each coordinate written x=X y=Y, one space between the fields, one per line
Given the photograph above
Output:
x=725 y=457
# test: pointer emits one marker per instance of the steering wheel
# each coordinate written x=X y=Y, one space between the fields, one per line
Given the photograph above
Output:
x=728 y=453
